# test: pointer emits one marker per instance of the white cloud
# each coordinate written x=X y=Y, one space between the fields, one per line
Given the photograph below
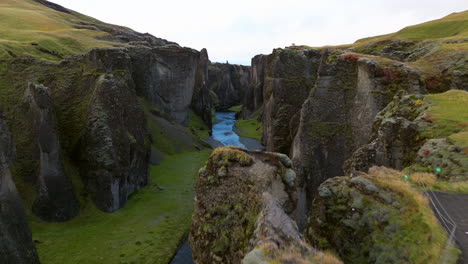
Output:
x=238 y=30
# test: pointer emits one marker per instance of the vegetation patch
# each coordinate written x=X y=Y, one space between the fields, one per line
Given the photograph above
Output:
x=148 y=229
x=448 y=114
x=251 y=128
x=236 y=108
x=378 y=218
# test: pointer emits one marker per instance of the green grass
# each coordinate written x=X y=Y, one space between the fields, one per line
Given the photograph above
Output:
x=147 y=230
x=454 y=25
x=236 y=108
x=453 y=187
x=449 y=115
x=198 y=127
x=24 y=22
x=250 y=128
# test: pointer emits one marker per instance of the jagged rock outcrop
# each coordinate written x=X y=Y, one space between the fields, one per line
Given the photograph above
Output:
x=337 y=116
x=202 y=101
x=115 y=147
x=241 y=214
x=253 y=98
x=289 y=76
x=376 y=218
x=229 y=83
x=16 y=245
x=55 y=200
x=395 y=139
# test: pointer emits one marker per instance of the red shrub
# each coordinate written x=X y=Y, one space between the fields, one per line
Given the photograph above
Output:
x=438 y=83
x=427 y=118
x=350 y=57
x=390 y=76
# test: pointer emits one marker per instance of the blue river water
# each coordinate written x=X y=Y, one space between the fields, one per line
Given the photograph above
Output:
x=223 y=131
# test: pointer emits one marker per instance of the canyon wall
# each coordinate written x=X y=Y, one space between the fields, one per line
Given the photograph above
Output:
x=229 y=83
x=319 y=106
x=85 y=116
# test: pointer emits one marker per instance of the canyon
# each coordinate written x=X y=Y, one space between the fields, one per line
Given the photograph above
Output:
x=119 y=128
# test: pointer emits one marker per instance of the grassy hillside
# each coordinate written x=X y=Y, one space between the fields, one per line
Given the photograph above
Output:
x=28 y=27
x=453 y=26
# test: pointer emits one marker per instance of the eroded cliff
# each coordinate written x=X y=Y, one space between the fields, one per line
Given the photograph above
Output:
x=16 y=245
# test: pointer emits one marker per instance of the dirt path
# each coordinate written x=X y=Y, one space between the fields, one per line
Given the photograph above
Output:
x=456 y=206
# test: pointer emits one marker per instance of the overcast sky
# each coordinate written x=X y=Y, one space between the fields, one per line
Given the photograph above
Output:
x=237 y=30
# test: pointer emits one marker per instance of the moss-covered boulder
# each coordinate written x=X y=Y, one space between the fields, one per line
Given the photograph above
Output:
x=377 y=218
x=243 y=199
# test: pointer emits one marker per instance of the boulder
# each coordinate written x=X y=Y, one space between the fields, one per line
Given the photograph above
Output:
x=376 y=218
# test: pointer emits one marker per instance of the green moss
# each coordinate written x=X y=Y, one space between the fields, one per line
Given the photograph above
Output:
x=198 y=127
x=147 y=230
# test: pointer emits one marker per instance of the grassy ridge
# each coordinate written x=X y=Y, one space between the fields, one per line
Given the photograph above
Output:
x=29 y=28
x=453 y=26
x=147 y=230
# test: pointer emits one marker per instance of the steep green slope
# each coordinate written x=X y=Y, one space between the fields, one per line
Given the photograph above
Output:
x=453 y=26
x=49 y=31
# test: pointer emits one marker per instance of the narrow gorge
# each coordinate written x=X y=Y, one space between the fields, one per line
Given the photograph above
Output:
x=121 y=147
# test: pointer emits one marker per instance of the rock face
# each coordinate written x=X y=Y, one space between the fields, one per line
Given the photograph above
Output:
x=253 y=99
x=115 y=146
x=395 y=139
x=289 y=76
x=202 y=101
x=401 y=138
x=98 y=99
x=241 y=215
x=166 y=77
x=229 y=83
x=366 y=220
x=337 y=116
x=55 y=199
x=16 y=244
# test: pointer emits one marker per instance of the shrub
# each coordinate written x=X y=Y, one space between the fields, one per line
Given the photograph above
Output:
x=438 y=83
x=350 y=57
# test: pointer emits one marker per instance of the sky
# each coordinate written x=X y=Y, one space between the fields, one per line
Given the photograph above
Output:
x=237 y=30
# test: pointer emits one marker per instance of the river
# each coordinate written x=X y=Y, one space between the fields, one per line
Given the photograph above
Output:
x=223 y=134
